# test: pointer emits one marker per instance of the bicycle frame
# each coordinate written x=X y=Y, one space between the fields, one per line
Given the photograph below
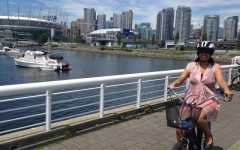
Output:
x=192 y=139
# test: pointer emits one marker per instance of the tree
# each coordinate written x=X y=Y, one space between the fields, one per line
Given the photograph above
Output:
x=176 y=39
x=43 y=38
x=238 y=43
x=163 y=43
x=153 y=39
x=79 y=39
x=204 y=37
x=119 y=39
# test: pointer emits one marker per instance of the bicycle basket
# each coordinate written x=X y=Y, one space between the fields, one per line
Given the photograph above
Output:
x=180 y=116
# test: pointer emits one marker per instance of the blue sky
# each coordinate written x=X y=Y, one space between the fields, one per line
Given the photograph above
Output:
x=143 y=10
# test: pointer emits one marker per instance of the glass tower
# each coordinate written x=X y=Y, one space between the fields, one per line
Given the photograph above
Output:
x=183 y=22
x=211 y=27
x=164 y=27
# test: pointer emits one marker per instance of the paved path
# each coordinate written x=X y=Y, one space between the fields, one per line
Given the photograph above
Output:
x=150 y=132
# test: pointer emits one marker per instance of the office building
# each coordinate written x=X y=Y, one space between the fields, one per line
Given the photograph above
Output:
x=211 y=27
x=164 y=27
x=89 y=20
x=183 y=23
x=101 y=21
x=127 y=18
x=230 y=28
x=117 y=20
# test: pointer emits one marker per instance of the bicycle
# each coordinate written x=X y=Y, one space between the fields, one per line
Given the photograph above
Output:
x=178 y=118
x=236 y=86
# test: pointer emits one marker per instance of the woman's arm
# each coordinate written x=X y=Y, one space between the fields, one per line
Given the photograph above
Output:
x=222 y=83
x=185 y=74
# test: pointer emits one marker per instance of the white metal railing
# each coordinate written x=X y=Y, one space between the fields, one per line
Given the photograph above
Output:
x=35 y=104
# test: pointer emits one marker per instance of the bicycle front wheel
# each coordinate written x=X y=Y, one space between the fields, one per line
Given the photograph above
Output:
x=179 y=146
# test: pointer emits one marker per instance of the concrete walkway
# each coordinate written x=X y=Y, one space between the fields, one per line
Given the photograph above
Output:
x=150 y=132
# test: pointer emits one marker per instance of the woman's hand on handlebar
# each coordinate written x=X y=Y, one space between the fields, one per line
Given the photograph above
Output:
x=229 y=94
x=171 y=86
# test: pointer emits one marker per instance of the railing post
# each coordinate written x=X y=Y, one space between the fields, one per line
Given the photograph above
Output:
x=165 y=88
x=229 y=76
x=102 y=100
x=139 y=88
x=48 y=109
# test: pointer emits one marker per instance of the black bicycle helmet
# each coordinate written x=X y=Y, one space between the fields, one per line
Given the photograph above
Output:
x=205 y=46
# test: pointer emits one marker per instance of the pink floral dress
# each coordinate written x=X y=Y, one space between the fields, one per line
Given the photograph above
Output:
x=204 y=86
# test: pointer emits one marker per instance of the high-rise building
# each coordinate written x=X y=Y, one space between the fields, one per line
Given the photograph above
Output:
x=101 y=21
x=109 y=24
x=183 y=22
x=230 y=28
x=164 y=27
x=127 y=18
x=89 y=20
x=117 y=20
x=146 y=24
x=211 y=26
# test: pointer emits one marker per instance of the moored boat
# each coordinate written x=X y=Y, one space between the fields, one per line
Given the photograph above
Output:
x=41 y=60
x=13 y=51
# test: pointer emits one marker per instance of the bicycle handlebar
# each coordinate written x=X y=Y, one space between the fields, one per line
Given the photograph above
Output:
x=193 y=104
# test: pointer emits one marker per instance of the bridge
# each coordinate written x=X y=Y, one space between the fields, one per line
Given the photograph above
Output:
x=33 y=112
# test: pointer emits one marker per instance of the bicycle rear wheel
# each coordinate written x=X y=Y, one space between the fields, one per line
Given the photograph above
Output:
x=235 y=85
x=179 y=146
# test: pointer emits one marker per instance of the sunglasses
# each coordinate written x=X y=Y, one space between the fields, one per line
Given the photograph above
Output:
x=206 y=52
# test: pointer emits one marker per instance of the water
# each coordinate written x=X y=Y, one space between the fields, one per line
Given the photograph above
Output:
x=85 y=65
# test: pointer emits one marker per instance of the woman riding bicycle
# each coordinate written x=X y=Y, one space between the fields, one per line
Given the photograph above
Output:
x=203 y=74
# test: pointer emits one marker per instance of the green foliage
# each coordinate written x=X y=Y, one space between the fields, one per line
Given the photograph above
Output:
x=102 y=48
x=238 y=43
x=153 y=39
x=163 y=43
x=126 y=49
x=54 y=46
x=181 y=48
x=73 y=46
x=79 y=39
x=43 y=38
x=119 y=39
x=176 y=38
x=204 y=37
x=148 y=110
x=68 y=132
x=179 y=53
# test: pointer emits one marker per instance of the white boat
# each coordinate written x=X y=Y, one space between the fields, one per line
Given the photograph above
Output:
x=11 y=51
x=41 y=60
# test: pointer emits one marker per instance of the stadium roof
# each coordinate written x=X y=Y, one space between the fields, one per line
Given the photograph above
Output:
x=104 y=31
x=22 y=18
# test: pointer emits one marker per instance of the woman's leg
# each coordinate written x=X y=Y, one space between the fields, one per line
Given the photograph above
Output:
x=203 y=125
x=179 y=134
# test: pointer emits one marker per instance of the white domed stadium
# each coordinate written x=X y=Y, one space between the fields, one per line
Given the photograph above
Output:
x=23 y=23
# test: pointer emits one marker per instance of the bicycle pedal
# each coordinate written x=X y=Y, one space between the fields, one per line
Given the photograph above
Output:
x=184 y=140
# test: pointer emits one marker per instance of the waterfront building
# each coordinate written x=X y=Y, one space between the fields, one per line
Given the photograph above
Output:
x=117 y=20
x=101 y=21
x=77 y=27
x=164 y=27
x=127 y=18
x=183 y=23
x=89 y=20
x=144 y=32
x=211 y=27
x=230 y=28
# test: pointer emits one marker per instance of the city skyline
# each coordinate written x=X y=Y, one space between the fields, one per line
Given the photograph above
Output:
x=143 y=10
